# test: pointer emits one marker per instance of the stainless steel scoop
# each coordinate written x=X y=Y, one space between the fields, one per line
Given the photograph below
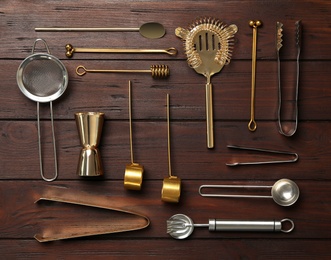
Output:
x=284 y=192
x=180 y=226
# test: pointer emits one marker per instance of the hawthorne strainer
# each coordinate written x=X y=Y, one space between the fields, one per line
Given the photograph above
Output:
x=43 y=78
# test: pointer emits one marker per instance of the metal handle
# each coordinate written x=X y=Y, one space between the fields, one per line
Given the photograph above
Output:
x=44 y=42
x=252 y=124
x=54 y=145
x=209 y=115
x=250 y=225
x=70 y=50
x=233 y=195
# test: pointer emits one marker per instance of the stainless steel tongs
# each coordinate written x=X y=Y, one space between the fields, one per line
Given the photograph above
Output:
x=294 y=156
x=279 y=35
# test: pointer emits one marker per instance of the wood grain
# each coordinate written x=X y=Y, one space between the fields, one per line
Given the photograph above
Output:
x=20 y=181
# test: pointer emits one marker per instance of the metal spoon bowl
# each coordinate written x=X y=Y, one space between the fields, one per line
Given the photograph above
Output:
x=285 y=192
x=152 y=30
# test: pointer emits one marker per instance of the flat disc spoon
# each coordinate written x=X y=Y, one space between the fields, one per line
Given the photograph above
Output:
x=150 y=30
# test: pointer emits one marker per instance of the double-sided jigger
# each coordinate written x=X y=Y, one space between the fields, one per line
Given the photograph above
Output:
x=89 y=125
x=133 y=176
x=171 y=185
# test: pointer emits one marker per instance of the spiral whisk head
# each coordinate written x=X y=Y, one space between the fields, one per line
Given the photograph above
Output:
x=160 y=71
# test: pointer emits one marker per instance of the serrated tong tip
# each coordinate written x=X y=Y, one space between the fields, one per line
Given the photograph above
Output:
x=298 y=33
x=279 y=41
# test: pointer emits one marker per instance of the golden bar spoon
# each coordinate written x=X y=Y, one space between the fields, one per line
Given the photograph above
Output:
x=150 y=30
x=252 y=124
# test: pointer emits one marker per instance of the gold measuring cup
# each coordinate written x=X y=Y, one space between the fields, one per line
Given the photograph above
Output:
x=133 y=176
x=171 y=187
x=89 y=125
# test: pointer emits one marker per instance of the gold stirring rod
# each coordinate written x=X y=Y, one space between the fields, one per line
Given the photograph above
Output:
x=252 y=124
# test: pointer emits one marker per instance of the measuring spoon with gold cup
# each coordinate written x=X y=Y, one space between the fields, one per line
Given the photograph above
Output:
x=133 y=175
x=171 y=185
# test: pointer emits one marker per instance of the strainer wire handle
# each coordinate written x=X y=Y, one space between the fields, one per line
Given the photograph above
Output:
x=39 y=144
x=40 y=40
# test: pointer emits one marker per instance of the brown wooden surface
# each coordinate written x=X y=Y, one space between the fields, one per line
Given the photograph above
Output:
x=20 y=182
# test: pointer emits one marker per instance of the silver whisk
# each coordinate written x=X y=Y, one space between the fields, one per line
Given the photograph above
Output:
x=180 y=226
x=157 y=71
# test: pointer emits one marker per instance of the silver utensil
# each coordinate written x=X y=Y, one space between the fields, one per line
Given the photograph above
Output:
x=43 y=78
x=180 y=226
x=294 y=155
x=279 y=39
x=284 y=192
x=150 y=30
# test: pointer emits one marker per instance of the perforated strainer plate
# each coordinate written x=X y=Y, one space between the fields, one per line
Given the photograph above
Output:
x=42 y=77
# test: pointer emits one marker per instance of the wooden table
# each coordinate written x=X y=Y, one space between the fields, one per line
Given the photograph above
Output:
x=21 y=183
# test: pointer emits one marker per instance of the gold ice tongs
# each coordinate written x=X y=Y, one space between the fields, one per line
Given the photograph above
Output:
x=279 y=35
x=130 y=221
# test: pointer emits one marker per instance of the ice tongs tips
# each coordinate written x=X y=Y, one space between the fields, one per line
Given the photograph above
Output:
x=279 y=40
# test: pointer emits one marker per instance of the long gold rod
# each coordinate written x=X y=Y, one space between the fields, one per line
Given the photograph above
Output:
x=168 y=126
x=130 y=122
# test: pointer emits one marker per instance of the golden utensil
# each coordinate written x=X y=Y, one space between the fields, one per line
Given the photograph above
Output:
x=157 y=71
x=150 y=30
x=171 y=187
x=89 y=126
x=208 y=45
x=70 y=50
x=133 y=175
x=252 y=124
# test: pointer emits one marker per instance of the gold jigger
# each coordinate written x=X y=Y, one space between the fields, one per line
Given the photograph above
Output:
x=89 y=125
x=133 y=175
x=171 y=187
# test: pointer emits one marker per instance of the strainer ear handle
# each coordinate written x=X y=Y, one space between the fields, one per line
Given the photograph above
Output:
x=40 y=40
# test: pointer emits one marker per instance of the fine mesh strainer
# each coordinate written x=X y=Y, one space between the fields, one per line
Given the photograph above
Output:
x=43 y=78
